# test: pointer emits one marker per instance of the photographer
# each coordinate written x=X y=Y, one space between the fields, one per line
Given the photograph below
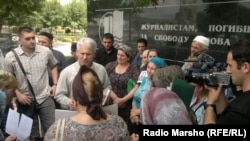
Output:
x=217 y=109
x=205 y=70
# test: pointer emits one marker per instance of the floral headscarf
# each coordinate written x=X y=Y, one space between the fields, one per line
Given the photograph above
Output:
x=163 y=107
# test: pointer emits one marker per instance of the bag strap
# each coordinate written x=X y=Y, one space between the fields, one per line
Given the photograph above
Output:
x=21 y=66
x=60 y=129
x=201 y=104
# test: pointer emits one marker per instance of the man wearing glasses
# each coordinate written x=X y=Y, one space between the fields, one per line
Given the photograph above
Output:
x=35 y=60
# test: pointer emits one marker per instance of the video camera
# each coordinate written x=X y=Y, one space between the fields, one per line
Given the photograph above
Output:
x=205 y=70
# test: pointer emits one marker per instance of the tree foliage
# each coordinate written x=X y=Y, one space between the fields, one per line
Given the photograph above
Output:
x=10 y=10
x=139 y=3
x=52 y=15
x=43 y=13
x=76 y=13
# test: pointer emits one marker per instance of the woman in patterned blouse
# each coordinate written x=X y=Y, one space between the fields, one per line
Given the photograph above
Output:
x=120 y=71
x=90 y=123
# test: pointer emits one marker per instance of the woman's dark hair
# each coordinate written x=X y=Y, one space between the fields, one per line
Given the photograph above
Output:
x=88 y=91
x=154 y=50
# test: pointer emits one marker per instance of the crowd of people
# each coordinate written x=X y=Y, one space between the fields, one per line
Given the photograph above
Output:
x=81 y=83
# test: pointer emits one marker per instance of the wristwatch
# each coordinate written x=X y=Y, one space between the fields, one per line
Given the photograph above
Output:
x=210 y=105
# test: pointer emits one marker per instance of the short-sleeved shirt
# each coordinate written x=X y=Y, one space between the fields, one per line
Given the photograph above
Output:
x=36 y=68
x=61 y=60
x=61 y=63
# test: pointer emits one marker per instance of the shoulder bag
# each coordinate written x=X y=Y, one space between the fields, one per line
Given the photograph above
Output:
x=28 y=110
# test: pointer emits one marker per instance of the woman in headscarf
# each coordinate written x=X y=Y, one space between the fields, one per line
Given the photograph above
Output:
x=145 y=86
x=164 y=76
x=90 y=122
x=161 y=106
x=150 y=54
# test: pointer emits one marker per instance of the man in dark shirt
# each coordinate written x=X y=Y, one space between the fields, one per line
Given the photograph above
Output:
x=141 y=46
x=108 y=52
x=46 y=39
x=217 y=108
x=73 y=58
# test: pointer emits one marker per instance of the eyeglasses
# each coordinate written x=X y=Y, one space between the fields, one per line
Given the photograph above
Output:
x=29 y=38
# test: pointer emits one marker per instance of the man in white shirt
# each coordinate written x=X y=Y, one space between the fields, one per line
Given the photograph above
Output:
x=86 y=50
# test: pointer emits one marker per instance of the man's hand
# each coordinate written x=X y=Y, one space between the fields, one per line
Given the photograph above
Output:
x=135 y=119
x=53 y=90
x=134 y=137
x=134 y=112
x=23 y=99
x=72 y=105
x=11 y=138
x=215 y=93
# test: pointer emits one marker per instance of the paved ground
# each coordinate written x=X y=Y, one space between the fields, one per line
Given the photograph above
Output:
x=64 y=47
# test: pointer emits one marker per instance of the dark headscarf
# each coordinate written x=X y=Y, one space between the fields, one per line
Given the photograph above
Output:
x=81 y=93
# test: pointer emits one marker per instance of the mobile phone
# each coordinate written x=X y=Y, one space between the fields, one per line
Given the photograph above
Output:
x=106 y=97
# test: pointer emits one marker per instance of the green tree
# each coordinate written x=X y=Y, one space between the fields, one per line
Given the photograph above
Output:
x=52 y=15
x=23 y=20
x=76 y=13
x=139 y=3
x=17 y=10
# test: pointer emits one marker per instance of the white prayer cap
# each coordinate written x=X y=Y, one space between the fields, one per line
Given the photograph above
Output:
x=203 y=40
